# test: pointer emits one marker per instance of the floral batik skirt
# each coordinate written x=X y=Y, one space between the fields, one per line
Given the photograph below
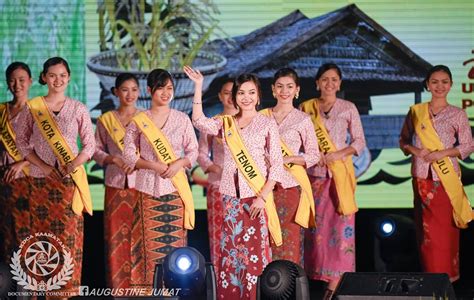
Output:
x=215 y=217
x=245 y=250
x=158 y=228
x=118 y=217
x=437 y=234
x=286 y=202
x=329 y=249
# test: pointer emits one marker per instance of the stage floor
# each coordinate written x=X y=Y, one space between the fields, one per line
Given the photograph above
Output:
x=93 y=274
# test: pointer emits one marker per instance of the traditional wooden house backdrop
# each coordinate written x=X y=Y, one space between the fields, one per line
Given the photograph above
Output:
x=373 y=62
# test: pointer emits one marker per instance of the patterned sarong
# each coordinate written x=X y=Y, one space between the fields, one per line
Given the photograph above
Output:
x=245 y=250
x=287 y=201
x=329 y=248
x=437 y=234
x=118 y=218
x=158 y=228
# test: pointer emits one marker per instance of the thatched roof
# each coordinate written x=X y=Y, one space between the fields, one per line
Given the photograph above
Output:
x=363 y=49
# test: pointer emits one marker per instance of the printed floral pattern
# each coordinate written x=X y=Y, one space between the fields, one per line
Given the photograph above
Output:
x=438 y=236
x=330 y=247
x=245 y=250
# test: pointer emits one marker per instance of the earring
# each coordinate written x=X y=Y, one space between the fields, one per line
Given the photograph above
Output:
x=317 y=88
x=297 y=96
x=274 y=96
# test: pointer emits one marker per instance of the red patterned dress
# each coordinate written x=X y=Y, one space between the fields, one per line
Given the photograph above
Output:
x=438 y=236
x=212 y=146
x=120 y=199
x=245 y=244
x=296 y=131
x=49 y=209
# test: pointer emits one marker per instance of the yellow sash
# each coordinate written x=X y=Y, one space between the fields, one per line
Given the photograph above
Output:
x=462 y=211
x=165 y=154
x=50 y=131
x=342 y=170
x=305 y=215
x=114 y=128
x=8 y=137
x=251 y=173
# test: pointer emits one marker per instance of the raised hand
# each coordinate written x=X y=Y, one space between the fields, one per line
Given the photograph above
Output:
x=194 y=75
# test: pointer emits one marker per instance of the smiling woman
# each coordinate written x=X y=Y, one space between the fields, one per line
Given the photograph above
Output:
x=252 y=165
x=13 y=166
x=160 y=143
x=441 y=134
x=328 y=251
x=47 y=138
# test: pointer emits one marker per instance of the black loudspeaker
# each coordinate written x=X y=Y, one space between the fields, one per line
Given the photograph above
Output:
x=394 y=286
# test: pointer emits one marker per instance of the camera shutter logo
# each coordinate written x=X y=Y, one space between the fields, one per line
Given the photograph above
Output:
x=42 y=258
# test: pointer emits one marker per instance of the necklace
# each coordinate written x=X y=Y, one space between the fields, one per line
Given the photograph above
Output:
x=439 y=109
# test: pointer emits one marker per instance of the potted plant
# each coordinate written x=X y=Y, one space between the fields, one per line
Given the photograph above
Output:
x=137 y=36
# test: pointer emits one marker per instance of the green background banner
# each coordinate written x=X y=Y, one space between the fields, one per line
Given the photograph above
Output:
x=440 y=32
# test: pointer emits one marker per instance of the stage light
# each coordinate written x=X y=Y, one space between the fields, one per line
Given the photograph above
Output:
x=395 y=246
x=283 y=279
x=183 y=262
x=185 y=269
x=387 y=226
